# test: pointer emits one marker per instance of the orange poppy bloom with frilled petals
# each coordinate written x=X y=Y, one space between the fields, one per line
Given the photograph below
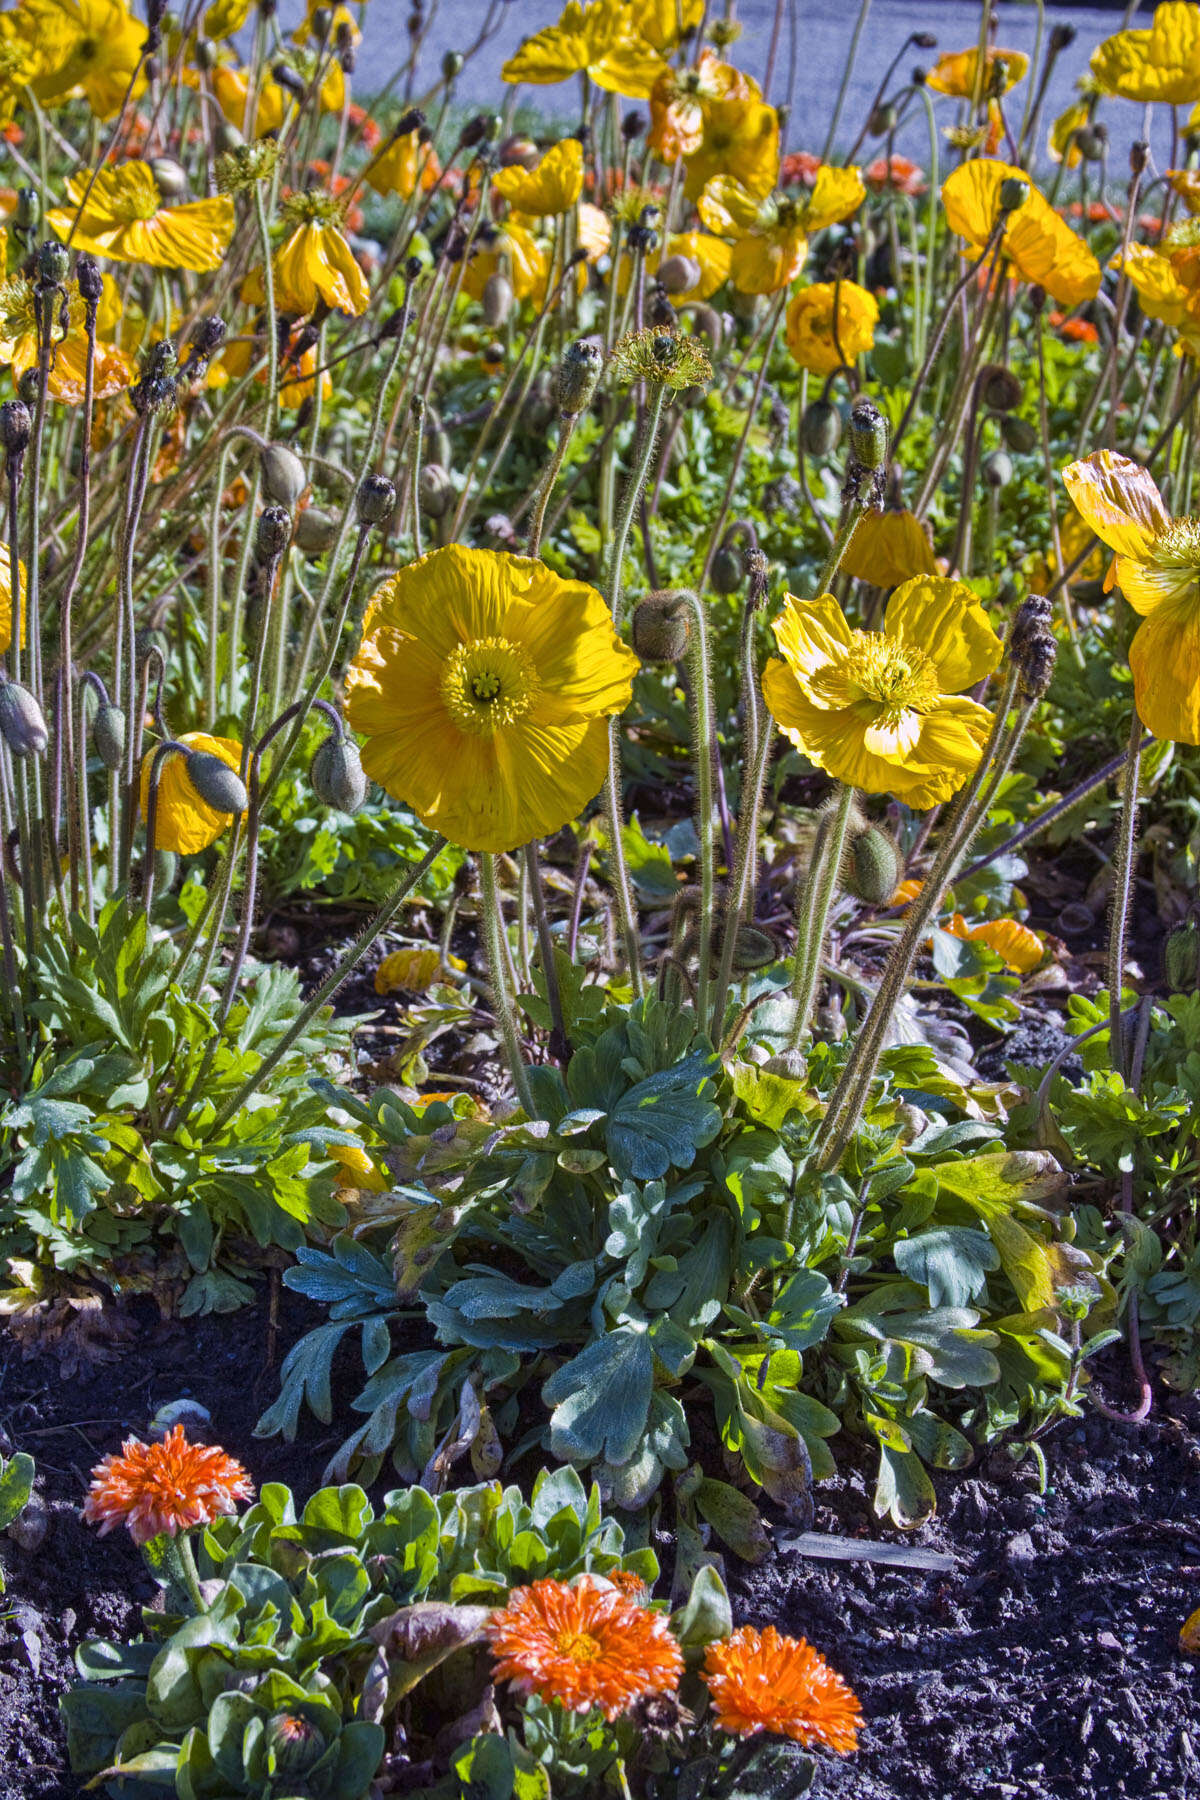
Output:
x=682 y=99
x=761 y=1681
x=1161 y=63
x=162 y=1489
x=601 y=40
x=124 y=219
x=1037 y=244
x=955 y=73
x=583 y=1644
x=551 y=188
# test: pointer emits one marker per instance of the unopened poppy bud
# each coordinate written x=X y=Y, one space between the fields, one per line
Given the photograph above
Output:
x=89 y=278
x=274 y=532
x=1032 y=648
x=1000 y=388
x=288 y=80
x=15 y=426
x=315 y=531
x=728 y=570
x=204 y=54
x=53 y=261
x=1139 y=153
x=215 y=782
x=1091 y=141
x=28 y=214
x=662 y=628
x=28 y=387
x=320 y=18
x=633 y=125
x=1181 y=958
x=436 y=492
x=227 y=137
x=924 y=40
x=477 y=131
x=208 y=336
x=578 y=374
x=753 y=949
x=868 y=434
x=376 y=500
x=679 y=274
x=882 y=120
x=1014 y=192
x=171 y=179
x=875 y=866
x=659 y=310
x=337 y=775
x=409 y=121
x=21 y=723
x=1018 y=434
x=821 y=428
x=108 y=734
x=1062 y=36
x=452 y=65
x=997 y=469
x=497 y=299
x=284 y=477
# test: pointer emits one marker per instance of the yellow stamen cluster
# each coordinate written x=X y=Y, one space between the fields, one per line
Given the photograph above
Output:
x=895 y=678
x=488 y=684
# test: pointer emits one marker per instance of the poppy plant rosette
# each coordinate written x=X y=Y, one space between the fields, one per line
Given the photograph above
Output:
x=482 y=689
x=885 y=710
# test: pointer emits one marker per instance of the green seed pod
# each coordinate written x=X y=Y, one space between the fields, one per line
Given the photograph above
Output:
x=1014 y=192
x=108 y=735
x=1000 y=388
x=21 y=723
x=215 y=782
x=821 y=428
x=337 y=775
x=1019 y=434
x=868 y=434
x=753 y=949
x=662 y=628
x=315 y=531
x=435 y=491
x=997 y=469
x=875 y=866
x=1181 y=958
x=578 y=374
x=171 y=178
x=284 y=477
x=293 y=1744
x=376 y=500
x=497 y=299
x=728 y=570
x=679 y=274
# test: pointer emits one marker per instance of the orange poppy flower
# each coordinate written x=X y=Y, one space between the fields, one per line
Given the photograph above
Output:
x=681 y=101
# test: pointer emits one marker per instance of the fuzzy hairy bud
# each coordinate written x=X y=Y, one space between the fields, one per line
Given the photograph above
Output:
x=1000 y=389
x=215 y=782
x=28 y=214
x=874 y=866
x=997 y=469
x=1018 y=434
x=284 y=477
x=337 y=775
x=435 y=491
x=15 y=427
x=661 y=628
x=376 y=500
x=315 y=531
x=728 y=573
x=821 y=428
x=53 y=261
x=678 y=274
x=21 y=723
x=497 y=299
x=274 y=532
x=108 y=735
x=578 y=375
x=1014 y=192
x=1032 y=647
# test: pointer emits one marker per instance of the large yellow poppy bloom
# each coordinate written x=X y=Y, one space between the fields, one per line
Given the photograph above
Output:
x=682 y=99
x=1039 y=245
x=482 y=687
x=601 y=41
x=884 y=710
x=771 y=235
x=954 y=72
x=1158 y=571
x=183 y=822
x=552 y=188
x=125 y=220
x=1162 y=63
x=100 y=47
x=810 y=327
x=712 y=257
x=739 y=138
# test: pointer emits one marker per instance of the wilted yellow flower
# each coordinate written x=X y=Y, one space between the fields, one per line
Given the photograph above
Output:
x=888 y=548
x=231 y=88
x=412 y=970
x=483 y=686
x=404 y=165
x=811 y=336
x=955 y=73
x=552 y=188
x=100 y=43
x=1161 y=294
x=1039 y=246
x=740 y=138
x=1162 y=63
x=514 y=252
x=884 y=710
x=183 y=822
x=314 y=263
x=1158 y=571
x=113 y=372
x=683 y=98
x=600 y=40
x=1015 y=944
x=124 y=219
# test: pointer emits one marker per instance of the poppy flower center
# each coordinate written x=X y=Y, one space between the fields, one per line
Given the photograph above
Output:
x=579 y=1646
x=1179 y=542
x=893 y=678
x=488 y=684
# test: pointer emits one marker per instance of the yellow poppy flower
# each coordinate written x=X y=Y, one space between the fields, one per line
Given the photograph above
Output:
x=1061 y=142
x=1158 y=571
x=664 y=23
x=1161 y=294
x=955 y=71
x=1186 y=183
x=338 y=18
x=231 y=89
x=314 y=263
x=771 y=235
x=600 y=40
x=482 y=687
x=888 y=548
x=30 y=48
x=183 y=822
x=225 y=18
x=103 y=48
x=682 y=99
x=884 y=710
x=1039 y=245
x=740 y=138
x=514 y=252
x=1015 y=944
x=356 y=1171
x=1162 y=63
x=125 y=220
x=404 y=166
x=593 y=231
x=811 y=337
x=412 y=970
x=553 y=187
x=6 y=598
x=113 y=372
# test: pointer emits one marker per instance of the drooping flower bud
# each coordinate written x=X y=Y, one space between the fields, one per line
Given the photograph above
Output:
x=28 y=215
x=284 y=477
x=1014 y=192
x=21 y=723
x=997 y=469
x=1032 y=647
x=435 y=491
x=315 y=531
x=337 y=775
x=215 y=782
x=728 y=570
x=274 y=532
x=1000 y=389
x=376 y=500
x=1018 y=434
x=821 y=428
x=661 y=628
x=497 y=299
x=171 y=177
x=679 y=274
x=91 y=281
x=753 y=949
x=108 y=734
x=578 y=374
x=875 y=866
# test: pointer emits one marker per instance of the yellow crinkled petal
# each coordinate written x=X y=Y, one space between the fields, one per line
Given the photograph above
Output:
x=1119 y=500
x=1160 y=292
x=1061 y=142
x=593 y=231
x=527 y=265
x=1019 y=947
x=741 y=139
x=727 y=208
x=946 y=621
x=184 y=822
x=762 y=264
x=1165 y=659
x=836 y=194
x=1162 y=63
x=583 y=666
x=552 y=188
x=1037 y=242
x=810 y=333
x=193 y=236
x=955 y=70
x=888 y=548
x=951 y=743
x=810 y=634
x=225 y=18
x=411 y=970
x=6 y=607
x=664 y=22
x=551 y=55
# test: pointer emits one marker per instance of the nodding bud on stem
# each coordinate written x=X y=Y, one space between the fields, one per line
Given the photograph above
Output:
x=1139 y=153
x=315 y=531
x=21 y=723
x=1032 y=647
x=53 y=260
x=997 y=469
x=91 y=281
x=15 y=426
x=874 y=866
x=208 y=336
x=337 y=776
x=1014 y=192
x=274 y=532
x=679 y=274
x=215 y=782
x=497 y=298
x=1000 y=388
x=924 y=40
x=662 y=627
x=728 y=569
x=821 y=428
x=452 y=65
x=578 y=375
x=284 y=477
x=171 y=177
x=28 y=214
x=1061 y=38
x=376 y=500
x=108 y=734
x=436 y=492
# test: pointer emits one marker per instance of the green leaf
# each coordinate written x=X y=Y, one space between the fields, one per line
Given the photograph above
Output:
x=484 y=1768
x=735 y=1519
x=601 y=1398
x=661 y=1122
x=953 y=1262
x=706 y=1615
x=16 y=1485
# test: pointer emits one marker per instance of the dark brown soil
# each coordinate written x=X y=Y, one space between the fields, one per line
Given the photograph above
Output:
x=1046 y=1668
